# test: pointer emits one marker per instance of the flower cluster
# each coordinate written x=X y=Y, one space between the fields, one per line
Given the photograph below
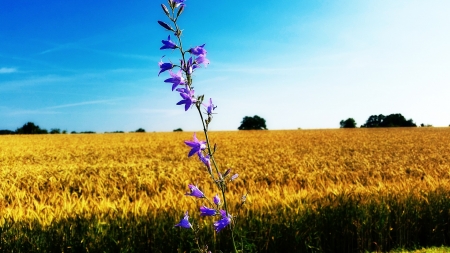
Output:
x=181 y=81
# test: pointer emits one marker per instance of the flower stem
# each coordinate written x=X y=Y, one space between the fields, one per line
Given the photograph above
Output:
x=220 y=183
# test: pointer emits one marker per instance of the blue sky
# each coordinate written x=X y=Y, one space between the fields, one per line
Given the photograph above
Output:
x=93 y=65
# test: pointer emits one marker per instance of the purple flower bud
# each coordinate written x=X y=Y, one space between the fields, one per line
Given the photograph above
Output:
x=234 y=177
x=165 y=9
x=205 y=211
x=165 y=25
x=195 y=192
x=216 y=199
x=184 y=223
x=180 y=10
x=226 y=172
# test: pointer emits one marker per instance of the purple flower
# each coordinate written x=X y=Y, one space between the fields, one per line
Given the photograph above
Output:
x=188 y=66
x=177 y=79
x=168 y=44
x=234 y=177
x=196 y=145
x=198 y=50
x=210 y=107
x=184 y=223
x=222 y=223
x=202 y=59
x=216 y=199
x=188 y=97
x=205 y=160
x=195 y=192
x=205 y=211
x=163 y=66
x=178 y=2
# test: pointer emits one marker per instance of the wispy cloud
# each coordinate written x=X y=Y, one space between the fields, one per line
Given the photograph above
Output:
x=105 y=101
x=7 y=70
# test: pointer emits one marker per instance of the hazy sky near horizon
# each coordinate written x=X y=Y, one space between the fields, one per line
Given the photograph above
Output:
x=93 y=65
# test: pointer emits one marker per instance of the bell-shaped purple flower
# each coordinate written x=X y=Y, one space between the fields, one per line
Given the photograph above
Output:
x=205 y=211
x=184 y=223
x=210 y=108
x=188 y=97
x=163 y=66
x=189 y=66
x=198 y=50
x=196 y=145
x=176 y=79
x=205 y=160
x=168 y=44
x=178 y=2
x=194 y=192
x=202 y=60
x=222 y=223
x=216 y=199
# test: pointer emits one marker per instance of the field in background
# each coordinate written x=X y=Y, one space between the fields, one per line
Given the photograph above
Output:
x=353 y=190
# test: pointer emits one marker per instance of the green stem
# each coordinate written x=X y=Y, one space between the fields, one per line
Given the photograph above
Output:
x=220 y=183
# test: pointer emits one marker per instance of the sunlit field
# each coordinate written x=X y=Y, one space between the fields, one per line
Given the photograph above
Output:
x=308 y=190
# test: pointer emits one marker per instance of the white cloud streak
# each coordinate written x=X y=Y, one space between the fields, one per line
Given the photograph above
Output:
x=105 y=101
x=7 y=70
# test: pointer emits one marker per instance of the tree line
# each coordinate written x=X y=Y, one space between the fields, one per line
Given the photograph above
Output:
x=31 y=128
x=392 y=120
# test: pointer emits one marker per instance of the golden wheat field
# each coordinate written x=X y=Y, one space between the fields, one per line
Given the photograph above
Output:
x=49 y=177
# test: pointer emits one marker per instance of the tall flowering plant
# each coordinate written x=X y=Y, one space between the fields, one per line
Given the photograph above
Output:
x=181 y=80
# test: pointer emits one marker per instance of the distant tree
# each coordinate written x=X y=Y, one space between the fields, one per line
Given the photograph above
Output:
x=31 y=128
x=140 y=130
x=64 y=131
x=55 y=131
x=73 y=132
x=348 y=123
x=253 y=123
x=178 y=130
x=374 y=121
x=87 y=132
x=392 y=120
x=2 y=132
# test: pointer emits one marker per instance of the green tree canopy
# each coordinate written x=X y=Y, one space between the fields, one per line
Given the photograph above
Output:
x=30 y=128
x=253 y=123
x=348 y=123
x=392 y=120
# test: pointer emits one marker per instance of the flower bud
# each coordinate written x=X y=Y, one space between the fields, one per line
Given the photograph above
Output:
x=226 y=173
x=165 y=9
x=180 y=10
x=165 y=26
x=216 y=199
